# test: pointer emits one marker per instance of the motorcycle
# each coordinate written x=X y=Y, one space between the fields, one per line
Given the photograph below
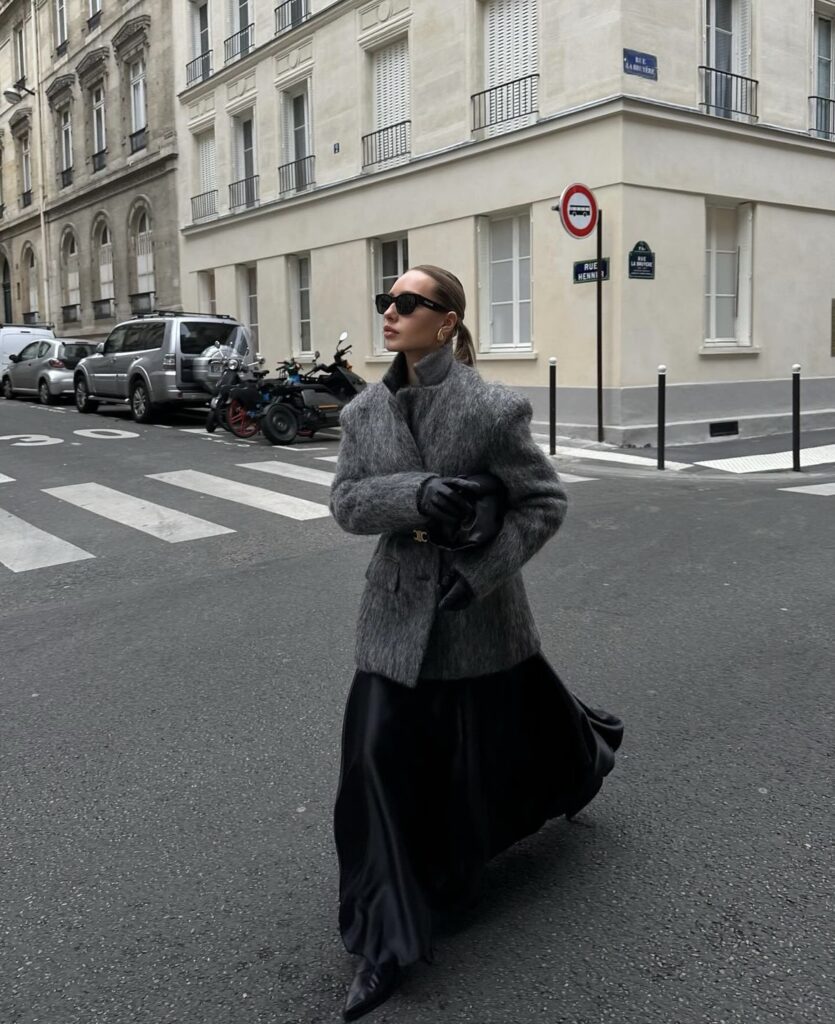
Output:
x=315 y=401
x=238 y=395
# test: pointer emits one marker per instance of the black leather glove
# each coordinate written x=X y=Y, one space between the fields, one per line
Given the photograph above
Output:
x=456 y=593
x=445 y=498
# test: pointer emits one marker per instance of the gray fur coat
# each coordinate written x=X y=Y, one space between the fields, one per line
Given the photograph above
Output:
x=394 y=437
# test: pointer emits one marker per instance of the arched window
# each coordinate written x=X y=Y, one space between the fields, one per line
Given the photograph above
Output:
x=69 y=266
x=30 y=285
x=143 y=247
x=104 y=260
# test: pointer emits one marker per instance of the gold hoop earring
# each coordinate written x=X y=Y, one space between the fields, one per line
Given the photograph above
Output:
x=439 y=337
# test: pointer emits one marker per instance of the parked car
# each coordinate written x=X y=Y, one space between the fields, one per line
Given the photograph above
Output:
x=155 y=360
x=45 y=368
x=15 y=337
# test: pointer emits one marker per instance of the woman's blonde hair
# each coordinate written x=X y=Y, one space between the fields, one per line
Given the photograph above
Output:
x=450 y=293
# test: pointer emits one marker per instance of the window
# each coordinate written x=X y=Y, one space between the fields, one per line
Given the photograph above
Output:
x=728 y=274
x=196 y=336
x=95 y=7
x=145 y=282
x=72 y=288
x=32 y=274
x=301 y=311
x=246 y=146
x=510 y=51
x=392 y=105
x=297 y=170
x=824 y=87
x=60 y=22
x=99 y=122
x=26 y=161
x=66 y=140
x=505 y=281
x=19 y=53
x=208 y=293
x=138 y=104
x=728 y=54
x=206 y=162
x=252 y=302
x=392 y=261
x=200 y=29
x=244 y=191
x=105 y=263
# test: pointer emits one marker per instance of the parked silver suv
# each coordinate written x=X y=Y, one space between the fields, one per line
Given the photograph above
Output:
x=155 y=360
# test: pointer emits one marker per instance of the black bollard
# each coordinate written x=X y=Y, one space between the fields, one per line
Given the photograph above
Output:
x=552 y=392
x=662 y=412
x=796 y=417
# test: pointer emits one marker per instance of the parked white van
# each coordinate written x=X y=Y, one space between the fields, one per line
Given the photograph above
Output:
x=15 y=337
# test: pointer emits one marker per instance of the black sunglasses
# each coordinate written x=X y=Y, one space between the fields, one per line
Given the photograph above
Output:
x=405 y=303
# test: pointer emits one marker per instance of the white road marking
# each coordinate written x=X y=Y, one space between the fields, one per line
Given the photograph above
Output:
x=327 y=458
x=192 y=430
x=24 y=547
x=160 y=522
x=6 y=479
x=302 y=451
x=244 y=494
x=596 y=455
x=818 y=456
x=825 y=489
x=570 y=478
x=311 y=476
x=105 y=433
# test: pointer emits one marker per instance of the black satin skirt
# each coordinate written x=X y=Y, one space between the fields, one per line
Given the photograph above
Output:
x=438 y=779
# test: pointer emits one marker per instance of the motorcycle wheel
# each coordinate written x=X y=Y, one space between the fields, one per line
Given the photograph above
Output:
x=238 y=420
x=280 y=424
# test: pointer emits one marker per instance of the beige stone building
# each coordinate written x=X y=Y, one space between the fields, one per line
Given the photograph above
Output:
x=88 y=157
x=326 y=146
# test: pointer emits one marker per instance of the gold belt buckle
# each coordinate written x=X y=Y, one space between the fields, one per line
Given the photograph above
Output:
x=421 y=536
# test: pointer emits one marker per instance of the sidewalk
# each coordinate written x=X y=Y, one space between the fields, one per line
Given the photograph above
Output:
x=735 y=455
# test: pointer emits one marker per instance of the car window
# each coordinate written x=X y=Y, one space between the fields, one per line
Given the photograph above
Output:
x=115 y=343
x=30 y=351
x=195 y=336
x=44 y=349
x=77 y=350
x=145 y=337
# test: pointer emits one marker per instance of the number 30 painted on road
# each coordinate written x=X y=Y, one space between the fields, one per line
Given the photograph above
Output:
x=30 y=440
x=35 y=440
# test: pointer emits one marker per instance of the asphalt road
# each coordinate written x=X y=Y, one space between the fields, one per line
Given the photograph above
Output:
x=169 y=728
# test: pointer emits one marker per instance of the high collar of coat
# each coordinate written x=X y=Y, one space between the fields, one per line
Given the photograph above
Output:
x=430 y=369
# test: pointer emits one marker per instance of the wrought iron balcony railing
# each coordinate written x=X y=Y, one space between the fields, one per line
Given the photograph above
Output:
x=728 y=95
x=26 y=198
x=141 y=302
x=99 y=160
x=822 y=117
x=199 y=69
x=94 y=21
x=239 y=44
x=204 y=205
x=387 y=144
x=243 y=193
x=71 y=314
x=66 y=177
x=296 y=176
x=506 y=103
x=290 y=14
x=2 y=210
x=139 y=140
x=103 y=309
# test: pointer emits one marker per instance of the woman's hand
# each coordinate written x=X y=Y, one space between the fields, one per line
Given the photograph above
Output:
x=445 y=498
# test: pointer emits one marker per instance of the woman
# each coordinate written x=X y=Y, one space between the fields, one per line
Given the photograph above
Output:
x=459 y=738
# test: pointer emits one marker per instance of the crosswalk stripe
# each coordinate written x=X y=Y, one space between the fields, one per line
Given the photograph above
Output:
x=244 y=494
x=6 y=479
x=311 y=476
x=24 y=547
x=572 y=478
x=818 y=456
x=599 y=455
x=160 y=522
x=327 y=458
x=825 y=489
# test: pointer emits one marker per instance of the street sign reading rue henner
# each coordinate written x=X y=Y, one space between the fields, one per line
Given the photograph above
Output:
x=642 y=262
x=586 y=270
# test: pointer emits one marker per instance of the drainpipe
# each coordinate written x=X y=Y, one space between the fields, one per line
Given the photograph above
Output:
x=41 y=165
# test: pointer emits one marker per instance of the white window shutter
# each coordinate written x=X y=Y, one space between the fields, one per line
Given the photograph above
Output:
x=483 y=271
x=510 y=45
x=742 y=37
x=745 y=245
x=206 y=151
x=391 y=85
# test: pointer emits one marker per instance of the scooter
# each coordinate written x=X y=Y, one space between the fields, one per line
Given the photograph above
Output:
x=315 y=402
x=236 y=398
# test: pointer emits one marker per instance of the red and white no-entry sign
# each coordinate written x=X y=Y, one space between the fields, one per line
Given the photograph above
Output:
x=578 y=210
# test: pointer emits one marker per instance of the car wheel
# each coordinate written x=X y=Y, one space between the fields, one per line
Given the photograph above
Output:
x=280 y=424
x=8 y=390
x=83 y=402
x=140 y=403
x=45 y=396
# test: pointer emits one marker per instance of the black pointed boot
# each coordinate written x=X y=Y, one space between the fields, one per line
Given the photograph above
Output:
x=371 y=986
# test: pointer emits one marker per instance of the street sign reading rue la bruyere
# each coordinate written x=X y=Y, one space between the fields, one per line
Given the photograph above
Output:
x=645 y=65
x=642 y=262
x=586 y=270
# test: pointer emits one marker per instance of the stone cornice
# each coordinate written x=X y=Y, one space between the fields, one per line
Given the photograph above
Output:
x=132 y=34
x=93 y=63
x=59 y=87
x=21 y=120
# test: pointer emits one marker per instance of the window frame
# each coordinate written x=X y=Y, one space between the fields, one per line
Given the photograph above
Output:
x=485 y=228
x=99 y=107
x=26 y=161
x=61 y=23
x=743 y=275
x=378 y=278
x=65 y=117
x=19 y=42
x=138 y=84
x=296 y=306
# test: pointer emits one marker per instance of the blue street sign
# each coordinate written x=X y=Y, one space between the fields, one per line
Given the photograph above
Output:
x=645 y=65
x=586 y=270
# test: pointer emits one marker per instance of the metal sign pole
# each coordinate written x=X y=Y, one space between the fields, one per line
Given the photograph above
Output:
x=599 y=325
